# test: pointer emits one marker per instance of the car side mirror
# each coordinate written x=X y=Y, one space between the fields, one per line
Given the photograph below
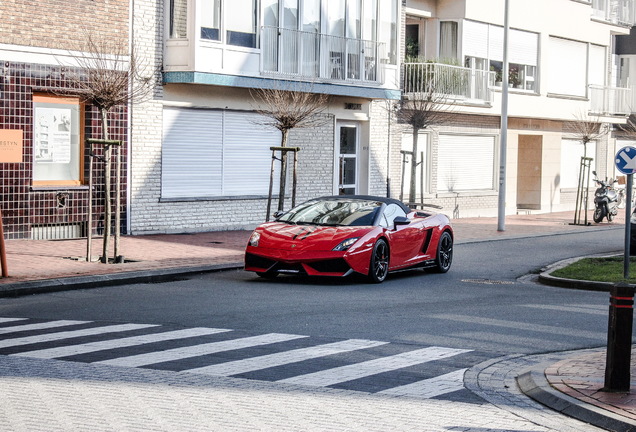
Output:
x=278 y=214
x=401 y=220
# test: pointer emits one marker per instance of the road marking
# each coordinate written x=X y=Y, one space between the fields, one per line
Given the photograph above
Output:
x=575 y=309
x=90 y=347
x=431 y=387
x=3 y=320
x=40 y=326
x=373 y=367
x=283 y=358
x=71 y=334
x=199 y=350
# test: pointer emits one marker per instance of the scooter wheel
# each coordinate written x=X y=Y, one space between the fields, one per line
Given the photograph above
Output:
x=599 y=214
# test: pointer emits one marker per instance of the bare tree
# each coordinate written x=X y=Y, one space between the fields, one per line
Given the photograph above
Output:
x=426 y=102
x=585 y=129
x=291 y=107
x=108 y=76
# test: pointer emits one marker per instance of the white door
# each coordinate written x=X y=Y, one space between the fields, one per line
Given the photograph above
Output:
x=347 y=169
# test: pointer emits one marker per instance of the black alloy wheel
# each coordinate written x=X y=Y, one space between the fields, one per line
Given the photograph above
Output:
x=444 y=253
x=379 y=268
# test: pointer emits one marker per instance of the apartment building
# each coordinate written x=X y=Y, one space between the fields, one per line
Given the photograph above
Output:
x=562 y=69
x=201 y=155
x=44 y=121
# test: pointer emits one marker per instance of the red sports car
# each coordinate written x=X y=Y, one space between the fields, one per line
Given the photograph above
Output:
x=341 y=235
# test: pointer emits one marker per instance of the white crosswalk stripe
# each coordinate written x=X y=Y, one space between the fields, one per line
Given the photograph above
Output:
x=72 y=334
x=63 y=344
x=4 y=320
x=90 y=347
x=199 y=350
x=373 y=367
x=284 y=358
x=431 y=387
x=40 y=326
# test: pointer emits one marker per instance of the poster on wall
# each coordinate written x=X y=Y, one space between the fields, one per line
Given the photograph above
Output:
x=11 y=145
x=52 y=142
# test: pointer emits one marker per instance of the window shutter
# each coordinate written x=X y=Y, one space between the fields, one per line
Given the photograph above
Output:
x=247 y=156
x=475 y=39
x=191 y=153
x=597 y=65
x=571 y=153
x=523 y=47
x=567 y=67
x=465 y=163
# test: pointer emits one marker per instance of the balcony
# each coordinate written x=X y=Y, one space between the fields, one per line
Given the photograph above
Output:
x=620 y=12
x=293 y=54
x=453 y=83
x=611 y=101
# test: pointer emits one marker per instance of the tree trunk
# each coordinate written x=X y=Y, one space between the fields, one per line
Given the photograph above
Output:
x=283 y=171
x=107 y=200
x=413 y=182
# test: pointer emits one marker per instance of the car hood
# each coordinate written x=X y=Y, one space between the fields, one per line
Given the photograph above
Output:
x=283 y=236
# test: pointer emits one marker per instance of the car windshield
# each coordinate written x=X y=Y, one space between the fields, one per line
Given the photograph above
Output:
x=333 y=212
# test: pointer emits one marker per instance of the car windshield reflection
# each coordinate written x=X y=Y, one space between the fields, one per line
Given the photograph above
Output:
x=333 y=213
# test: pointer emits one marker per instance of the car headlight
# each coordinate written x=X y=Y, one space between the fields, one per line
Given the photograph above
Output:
x=254 y=239
x=346 y=244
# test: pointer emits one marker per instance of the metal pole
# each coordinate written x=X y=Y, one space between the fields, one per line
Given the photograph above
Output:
x=501 y=224
x=628 y=225
x=3 y=251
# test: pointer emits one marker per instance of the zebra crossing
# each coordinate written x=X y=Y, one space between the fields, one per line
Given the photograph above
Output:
x=354 y=364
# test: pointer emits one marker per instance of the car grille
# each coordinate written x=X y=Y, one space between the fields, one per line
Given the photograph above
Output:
x=330 y=266
x=252 y=260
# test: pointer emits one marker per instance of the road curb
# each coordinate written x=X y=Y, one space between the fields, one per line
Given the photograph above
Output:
x=546 y=277
x=108 y=280
x=535 y=385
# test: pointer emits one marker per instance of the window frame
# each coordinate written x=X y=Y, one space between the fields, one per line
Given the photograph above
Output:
x=45 y=98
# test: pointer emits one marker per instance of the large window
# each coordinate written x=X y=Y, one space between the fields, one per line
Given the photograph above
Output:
x=483 y=41
x=57 y=158
x=238 y=18
x=212 y=153
x=178 y=19
x=568 y=67
x=465 y=163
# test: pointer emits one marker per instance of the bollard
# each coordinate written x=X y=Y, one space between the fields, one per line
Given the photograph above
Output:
x=619 y=338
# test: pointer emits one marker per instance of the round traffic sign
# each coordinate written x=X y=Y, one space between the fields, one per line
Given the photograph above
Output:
x=626 y=160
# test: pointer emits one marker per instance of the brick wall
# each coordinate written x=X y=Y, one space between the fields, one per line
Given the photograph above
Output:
x=60 y=24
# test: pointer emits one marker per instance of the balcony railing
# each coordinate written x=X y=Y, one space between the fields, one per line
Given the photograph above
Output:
x=622 y=12
x=309 y=56
x=450 y=82
x=610 y=100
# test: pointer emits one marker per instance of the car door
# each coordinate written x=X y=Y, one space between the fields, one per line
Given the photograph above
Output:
x=405 y=241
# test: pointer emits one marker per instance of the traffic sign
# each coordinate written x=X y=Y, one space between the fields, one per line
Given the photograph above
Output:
x=626 y=160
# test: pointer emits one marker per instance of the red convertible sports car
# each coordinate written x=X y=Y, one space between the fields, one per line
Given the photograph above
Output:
x=342 y=235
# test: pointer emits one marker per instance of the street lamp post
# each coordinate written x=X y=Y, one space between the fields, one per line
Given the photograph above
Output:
x=501 y=224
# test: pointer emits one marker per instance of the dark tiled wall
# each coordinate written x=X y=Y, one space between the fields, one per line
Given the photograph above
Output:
x=24 y=205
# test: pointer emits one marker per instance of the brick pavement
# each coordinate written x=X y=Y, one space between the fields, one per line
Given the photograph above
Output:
x=261 y=406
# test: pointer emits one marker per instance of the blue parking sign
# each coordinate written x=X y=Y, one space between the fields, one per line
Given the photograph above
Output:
x=626 y=160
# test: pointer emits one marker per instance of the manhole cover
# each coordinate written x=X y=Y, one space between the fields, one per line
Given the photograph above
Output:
x=488 y=282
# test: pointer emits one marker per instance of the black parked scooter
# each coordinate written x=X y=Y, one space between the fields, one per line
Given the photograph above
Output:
x=605 y=200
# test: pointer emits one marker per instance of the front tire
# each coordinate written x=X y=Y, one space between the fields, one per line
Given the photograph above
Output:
x=599 y=214
x=444 y=253
x=379 y=267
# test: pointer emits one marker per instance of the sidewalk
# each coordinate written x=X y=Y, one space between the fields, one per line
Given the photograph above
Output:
x=570 y=385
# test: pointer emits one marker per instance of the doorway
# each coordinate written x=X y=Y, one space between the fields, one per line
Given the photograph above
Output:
x=347 y=158
x=529 y=172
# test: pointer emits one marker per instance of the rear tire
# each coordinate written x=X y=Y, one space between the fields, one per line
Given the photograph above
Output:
x=444 y=253
x=379 y=267
x=599 y=214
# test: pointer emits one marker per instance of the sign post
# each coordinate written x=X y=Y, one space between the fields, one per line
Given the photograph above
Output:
x=626 y=163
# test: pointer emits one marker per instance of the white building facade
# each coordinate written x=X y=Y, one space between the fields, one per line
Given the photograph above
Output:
x=561 y=68
x=200 y=154
x=201 y=157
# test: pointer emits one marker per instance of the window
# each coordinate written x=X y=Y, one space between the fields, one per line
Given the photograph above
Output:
x=212 y=153
x=211 y=19
x=57 y=156
x=448 y=40
x=571 y=154
x=241 y=21
x=178 y=19
x=568 y=67
x=390 y=213
x=388 y=27
x=465 y=163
